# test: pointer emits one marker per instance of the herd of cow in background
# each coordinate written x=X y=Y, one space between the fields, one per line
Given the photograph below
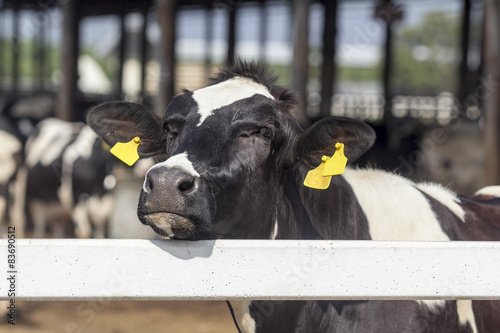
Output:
x=56 y=177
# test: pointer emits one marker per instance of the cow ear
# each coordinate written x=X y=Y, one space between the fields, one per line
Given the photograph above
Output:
x=320 y=139
x=122 y=121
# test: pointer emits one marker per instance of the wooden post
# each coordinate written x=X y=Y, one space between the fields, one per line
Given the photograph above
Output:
x=328 y=68
x=231 y=36
x=166 y=18
x=463 y=70
x=66 y=99
x=389 y=13
x=144 y=48
x=121 y=56
x=42 y=56
x=263 y=30
x=3 y=47
x=209 y=21
x=16 y=48
x=490 y=91
x=300 y=66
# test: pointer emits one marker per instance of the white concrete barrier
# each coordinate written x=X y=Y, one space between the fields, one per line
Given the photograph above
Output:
x=73 y=269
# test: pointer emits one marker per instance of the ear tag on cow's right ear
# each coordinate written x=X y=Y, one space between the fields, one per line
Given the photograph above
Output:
x=315 y=178
x=336 y=164
x=127 y=151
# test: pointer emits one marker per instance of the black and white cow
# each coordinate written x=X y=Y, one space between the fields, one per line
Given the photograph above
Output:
x=68 y=179
x=236 y=164
x=11 y=157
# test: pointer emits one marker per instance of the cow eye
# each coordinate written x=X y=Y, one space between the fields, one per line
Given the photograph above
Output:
x=266 y=132
x=166 y=128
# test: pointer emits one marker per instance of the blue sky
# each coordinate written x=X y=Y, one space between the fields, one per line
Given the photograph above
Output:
x=356 y=26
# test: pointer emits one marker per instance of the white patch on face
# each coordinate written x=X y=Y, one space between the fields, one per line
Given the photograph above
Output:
x=395 y=209
x=241 y=311
x=489 y=191
x=445 y=196
x=54 y=135
x=10 y=146
x=466 y=314
x=179 y=161
x=225 y=93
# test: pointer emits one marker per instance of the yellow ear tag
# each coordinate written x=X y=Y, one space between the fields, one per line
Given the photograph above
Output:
x=336 y=164
x=127 y=151
x=315 y=178
x=321 y=177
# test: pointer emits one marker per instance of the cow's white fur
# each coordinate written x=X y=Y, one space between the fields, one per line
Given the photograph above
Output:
x=409 y=217
x=80 y=148
x=10 y=146
x=444 y=196
x=54 y=135
x=396 y=210
x=466 y=314
x=244 y=320
x=435 y=305
x=490 y=191
x=274 y=232
x=225 y=93
x=179 y=161
x=81 y=221
x=17 y=208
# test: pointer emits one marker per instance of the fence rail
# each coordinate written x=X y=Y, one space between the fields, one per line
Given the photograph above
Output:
x=72 y=269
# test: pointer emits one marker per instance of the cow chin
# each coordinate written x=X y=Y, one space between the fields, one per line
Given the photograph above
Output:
x=169 y=224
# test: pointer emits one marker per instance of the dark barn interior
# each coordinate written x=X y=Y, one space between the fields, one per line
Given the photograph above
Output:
x=425 y=75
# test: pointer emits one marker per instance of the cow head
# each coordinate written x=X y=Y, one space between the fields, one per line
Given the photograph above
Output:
x=225 y=148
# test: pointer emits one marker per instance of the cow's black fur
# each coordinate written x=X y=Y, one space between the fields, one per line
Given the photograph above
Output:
x=250 y=160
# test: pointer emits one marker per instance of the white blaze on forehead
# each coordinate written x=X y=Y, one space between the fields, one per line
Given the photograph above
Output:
x=225 y=93
x=179 y=161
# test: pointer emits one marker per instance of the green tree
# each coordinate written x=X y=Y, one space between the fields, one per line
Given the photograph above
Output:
x=426 y=56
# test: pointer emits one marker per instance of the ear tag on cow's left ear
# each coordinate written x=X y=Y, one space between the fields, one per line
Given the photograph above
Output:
x=127 y=151
x=336 y=164
x=315 y=178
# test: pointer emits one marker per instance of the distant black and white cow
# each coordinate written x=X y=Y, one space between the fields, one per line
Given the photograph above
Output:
x=68 y=178
x=236 y=164
x=11 y=157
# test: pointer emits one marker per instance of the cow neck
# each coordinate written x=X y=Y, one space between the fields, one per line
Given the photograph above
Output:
x=306 y=213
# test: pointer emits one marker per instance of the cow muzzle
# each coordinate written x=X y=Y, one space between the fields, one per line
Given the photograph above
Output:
x=170 y=203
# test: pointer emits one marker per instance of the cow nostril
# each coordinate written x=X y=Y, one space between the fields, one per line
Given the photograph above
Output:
x=149 y=185
x=187 y=185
